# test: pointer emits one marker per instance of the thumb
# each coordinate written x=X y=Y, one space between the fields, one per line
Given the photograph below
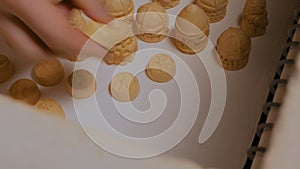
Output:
x=93 y=9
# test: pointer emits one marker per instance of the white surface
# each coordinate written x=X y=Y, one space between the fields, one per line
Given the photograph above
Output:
x=246 y=90
x=278 y=98
x=284 y=150
x=34 y=140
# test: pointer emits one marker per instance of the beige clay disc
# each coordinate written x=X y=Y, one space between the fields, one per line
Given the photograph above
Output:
x=48 y=72
x=25 y=90
x=6 y=69
x=124 y=87
x=50 y=106
x=161 y=68
x=81 y=84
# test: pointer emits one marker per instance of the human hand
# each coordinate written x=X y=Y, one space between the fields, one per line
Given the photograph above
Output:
x=40 y=28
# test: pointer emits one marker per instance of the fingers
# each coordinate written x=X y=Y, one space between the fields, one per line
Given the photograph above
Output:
x=94 y=9
x=21 y=39
x=47 y=20
x=53 y=28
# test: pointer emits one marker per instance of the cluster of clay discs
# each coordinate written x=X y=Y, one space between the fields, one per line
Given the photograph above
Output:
x=125 y=87
x=46 y=73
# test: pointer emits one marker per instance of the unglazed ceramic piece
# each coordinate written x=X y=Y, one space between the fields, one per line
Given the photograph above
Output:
x=116 y=37
x=168 y=3
x=123 y=9
x=161 y=68
x=124 y=87
x=191 y=30
x=255 y=18
x=152 y=23
x=50 y=106
x=25 y=90
x=81 y=84
x=215 y=9
x=6 y=69
x=234 y=47
x=48 y=72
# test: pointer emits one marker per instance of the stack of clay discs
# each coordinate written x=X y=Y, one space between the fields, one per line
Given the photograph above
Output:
x=152 y=23
x=215 y=9
x=123 y=9
x=168 y=3
x=191 y=32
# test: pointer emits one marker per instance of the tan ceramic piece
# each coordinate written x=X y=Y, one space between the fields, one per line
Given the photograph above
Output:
x=152 y=23
x=50 y=106
x=255 y=18
x=25 y=90
x=161 y=68
x=117 y=37
x=81 y=84
x=215 y=9
x=75 y=18
x=123 y=52
x=191 y=29
x=124 y=87
x=48 y=72
x=234 y=47
x=109 y=34
x=168 y=3
x=123 y=9
x=6 y=69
